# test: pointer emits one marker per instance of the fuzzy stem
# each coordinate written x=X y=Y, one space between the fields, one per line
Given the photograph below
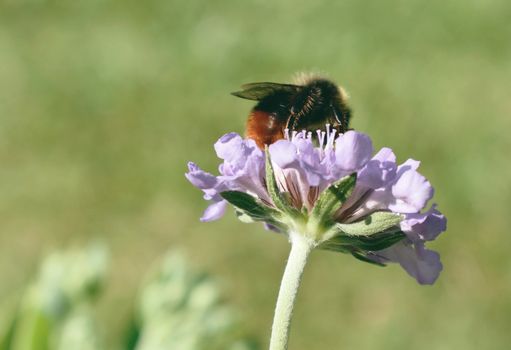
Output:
x=300 y=249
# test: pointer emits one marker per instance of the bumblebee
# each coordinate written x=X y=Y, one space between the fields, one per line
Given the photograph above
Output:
x=307 y=105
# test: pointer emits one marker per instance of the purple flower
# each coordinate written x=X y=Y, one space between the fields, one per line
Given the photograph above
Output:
x=242 y=169
x=332 y=190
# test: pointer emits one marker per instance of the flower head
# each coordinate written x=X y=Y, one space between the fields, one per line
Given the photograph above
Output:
x=332 y=191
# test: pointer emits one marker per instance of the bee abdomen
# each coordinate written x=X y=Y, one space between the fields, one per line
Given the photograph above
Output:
x=264 y=128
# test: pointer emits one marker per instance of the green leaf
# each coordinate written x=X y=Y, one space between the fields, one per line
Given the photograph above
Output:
x=281 y=201
x=333 y=198
x=249 y=205
x=375 y=242
x=374 y=223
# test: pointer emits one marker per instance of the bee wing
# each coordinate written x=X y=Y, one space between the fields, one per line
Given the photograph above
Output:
x=258 y=91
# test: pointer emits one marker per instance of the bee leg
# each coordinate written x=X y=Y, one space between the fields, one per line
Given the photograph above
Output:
x=296 y=120
x=290 y=122
x=336 y=116
x=337 y=121
x=342 y=118
x=346 y=119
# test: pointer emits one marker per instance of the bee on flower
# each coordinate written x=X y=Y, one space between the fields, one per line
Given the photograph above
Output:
x=328 y=192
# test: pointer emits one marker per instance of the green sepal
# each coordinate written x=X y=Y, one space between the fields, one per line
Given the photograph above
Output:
x=376 y=222
x=358 y=254
x=250 y=206
x=249 y=209
x=281 y=200
x=375 y=242
x=332 y=199
x=362 y=257
x=243 y=217
x=335 y=248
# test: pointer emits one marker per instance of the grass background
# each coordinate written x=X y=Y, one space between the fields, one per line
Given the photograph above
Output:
x=102 y=103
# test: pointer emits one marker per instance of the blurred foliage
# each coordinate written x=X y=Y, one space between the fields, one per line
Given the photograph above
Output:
x=55 y=311
x=102 y=103
x=178 y=308
x=182 y=309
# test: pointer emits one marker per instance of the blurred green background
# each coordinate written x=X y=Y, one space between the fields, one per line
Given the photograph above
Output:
x=102 y=103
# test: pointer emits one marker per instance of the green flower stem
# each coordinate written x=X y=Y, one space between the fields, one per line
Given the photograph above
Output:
x=300 y=249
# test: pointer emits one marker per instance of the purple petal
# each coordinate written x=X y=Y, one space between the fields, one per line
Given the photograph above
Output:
x=306 y=150
x=214 y=212
x=410 y=164
x=426 y=226
x=298 y=167
x=235 y=151
x=310 y=162
x=377 y=200
x=352 y=151
x=371 y=175
x=209 y=184
x=380 y=171
x=283 y=153
x=200 y=178
x=412 y=191
x=385 y=155
x=428 y=265
x=422 y=264
x=243 y=166
x=293 y=181
x=228 y=146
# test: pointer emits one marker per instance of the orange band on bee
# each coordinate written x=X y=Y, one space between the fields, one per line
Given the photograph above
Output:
x=264 y=128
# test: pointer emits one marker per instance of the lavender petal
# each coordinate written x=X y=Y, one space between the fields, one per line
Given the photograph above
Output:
x=411 y=191
x=422 y=264
x=214 y=212
x=424 y=226
x=352 y=151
